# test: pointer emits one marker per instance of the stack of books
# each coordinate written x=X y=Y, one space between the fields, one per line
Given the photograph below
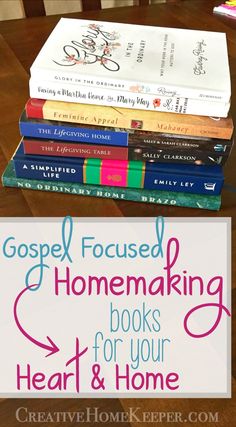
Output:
x=127 y=112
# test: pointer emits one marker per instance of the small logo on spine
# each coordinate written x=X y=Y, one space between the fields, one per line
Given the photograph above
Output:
x=218 y=160
x=136 y=124
x=219 y=148
x=156 y=102
x=209 y=186
x=114 y=178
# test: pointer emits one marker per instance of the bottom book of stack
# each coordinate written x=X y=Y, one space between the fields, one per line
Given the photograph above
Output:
x=192 y=200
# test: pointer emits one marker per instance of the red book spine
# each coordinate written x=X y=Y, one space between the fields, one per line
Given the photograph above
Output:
x=34 y=108
x=65 y=149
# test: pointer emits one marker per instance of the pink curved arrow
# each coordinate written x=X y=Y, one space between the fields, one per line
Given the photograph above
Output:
x=52 y=348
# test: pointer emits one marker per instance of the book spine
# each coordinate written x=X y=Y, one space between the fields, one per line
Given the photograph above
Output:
x=174 y=142
x=97 y=96
x=128 y=86
x=66 y=149
x=169 y=155
x=116 y=173
x=68 y=133
x=105 y=116
x=175 y=156
x=144 y=196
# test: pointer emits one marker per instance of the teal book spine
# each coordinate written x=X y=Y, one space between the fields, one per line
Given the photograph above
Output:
x=137 y=195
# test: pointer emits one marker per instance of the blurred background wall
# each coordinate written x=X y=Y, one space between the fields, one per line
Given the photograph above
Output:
x=13 y=9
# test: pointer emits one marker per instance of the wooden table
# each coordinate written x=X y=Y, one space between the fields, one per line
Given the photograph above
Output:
x=20 y=42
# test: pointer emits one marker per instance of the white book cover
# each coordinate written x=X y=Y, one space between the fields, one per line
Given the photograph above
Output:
x=136 y=58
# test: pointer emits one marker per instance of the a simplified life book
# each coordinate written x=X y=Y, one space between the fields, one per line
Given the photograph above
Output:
x=165 y=62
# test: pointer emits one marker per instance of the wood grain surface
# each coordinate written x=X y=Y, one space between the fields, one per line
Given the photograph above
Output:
x=20 y=42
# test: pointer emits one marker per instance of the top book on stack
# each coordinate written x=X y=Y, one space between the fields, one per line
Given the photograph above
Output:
x=167 y=63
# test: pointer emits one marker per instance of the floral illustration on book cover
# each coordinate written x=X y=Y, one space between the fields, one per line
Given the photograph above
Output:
x=96 y=45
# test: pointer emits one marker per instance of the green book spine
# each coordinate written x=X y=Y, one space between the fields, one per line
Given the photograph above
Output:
x=137 y=195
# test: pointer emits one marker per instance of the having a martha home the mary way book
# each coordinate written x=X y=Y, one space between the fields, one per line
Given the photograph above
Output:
x=134 y=66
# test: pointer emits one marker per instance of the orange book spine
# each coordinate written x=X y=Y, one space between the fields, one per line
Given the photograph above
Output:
x=181 y=124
